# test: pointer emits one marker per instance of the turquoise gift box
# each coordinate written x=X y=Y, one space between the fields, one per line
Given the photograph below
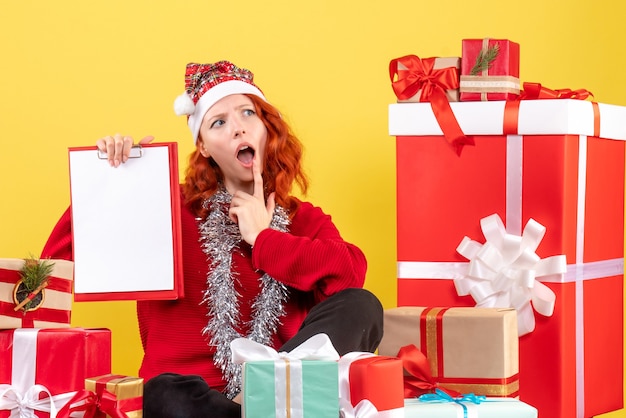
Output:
x=302 y=383
x=485 y=408
x=290 y=388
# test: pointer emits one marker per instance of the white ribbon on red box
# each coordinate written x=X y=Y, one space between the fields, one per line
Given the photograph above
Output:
x=21 y=397
x=576 y=273
x=502 y=273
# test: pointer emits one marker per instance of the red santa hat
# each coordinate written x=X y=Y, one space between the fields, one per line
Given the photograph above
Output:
x=205 y=84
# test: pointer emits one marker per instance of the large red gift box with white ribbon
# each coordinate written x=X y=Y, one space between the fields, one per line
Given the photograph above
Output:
x=558 y=163
x=41 y=369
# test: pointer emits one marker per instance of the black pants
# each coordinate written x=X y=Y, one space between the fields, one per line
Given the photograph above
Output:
x=352 y=318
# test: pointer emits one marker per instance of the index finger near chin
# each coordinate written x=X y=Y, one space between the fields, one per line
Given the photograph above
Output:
x=258 y=178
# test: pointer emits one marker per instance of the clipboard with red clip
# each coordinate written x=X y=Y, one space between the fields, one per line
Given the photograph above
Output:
x=126 y=226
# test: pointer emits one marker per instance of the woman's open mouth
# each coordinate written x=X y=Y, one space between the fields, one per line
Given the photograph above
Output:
x=245 y=154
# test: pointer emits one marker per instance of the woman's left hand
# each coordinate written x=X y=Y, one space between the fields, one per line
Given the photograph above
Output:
x=251 y=212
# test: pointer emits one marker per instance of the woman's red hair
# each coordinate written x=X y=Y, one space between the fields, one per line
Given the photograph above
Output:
x=281 y=168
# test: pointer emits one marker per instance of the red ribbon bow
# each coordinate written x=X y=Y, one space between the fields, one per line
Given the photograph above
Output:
x=421 y=75
x=535 y=91
x=420 y=379
x=99 y=405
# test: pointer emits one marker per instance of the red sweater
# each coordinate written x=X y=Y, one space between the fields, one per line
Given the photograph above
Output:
x=311 y=259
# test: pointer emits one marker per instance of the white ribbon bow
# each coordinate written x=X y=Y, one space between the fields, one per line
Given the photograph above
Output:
x=502 y=273
x=288 y=371
x=318 y=347
x=25 y=405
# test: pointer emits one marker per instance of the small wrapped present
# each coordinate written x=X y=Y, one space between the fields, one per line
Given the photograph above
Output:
x=415 y=78
x=305 y=380
x=468 y=350
x=370 y=385
x=489 y=70
x=418 y=80
x=48 y=305
x=111 y=395
x=41 y=369
x=440 y=405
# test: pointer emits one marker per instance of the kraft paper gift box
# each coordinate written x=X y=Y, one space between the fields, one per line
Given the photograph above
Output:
x=302 y=383
x=412 y=70
x=371 y=384
x=559 y=162
x=469 y=350
x=54 y=306
x=442 y=407
x=49 y=363
x=497 y=81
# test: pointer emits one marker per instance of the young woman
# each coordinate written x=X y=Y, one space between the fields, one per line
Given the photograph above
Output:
x=258 y=262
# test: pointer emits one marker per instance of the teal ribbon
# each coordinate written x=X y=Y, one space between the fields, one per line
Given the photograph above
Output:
x=441 y=396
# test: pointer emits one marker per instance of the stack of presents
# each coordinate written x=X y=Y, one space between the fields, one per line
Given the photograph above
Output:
x=47 y=368
x=510 y=229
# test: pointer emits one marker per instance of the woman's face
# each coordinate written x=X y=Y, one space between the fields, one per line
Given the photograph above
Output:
x=233 y=135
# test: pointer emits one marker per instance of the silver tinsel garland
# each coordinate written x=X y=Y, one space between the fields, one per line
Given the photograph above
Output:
x=220 y=236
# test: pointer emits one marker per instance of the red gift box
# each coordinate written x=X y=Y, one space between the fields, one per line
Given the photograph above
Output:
x=367 y=381
x=49 y=361
x=499 y=80
x=55 y=308
x=564 y=168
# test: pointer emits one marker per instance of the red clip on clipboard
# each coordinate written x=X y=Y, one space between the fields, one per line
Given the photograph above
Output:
x=126 y=224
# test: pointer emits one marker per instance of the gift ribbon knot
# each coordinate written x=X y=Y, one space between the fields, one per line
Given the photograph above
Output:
x=433 y=83
x=24 y=405
x=421 y=75
x=420 y=379
x=535 y=91
x=443 y=397
x=502 y=273
x=95 y=405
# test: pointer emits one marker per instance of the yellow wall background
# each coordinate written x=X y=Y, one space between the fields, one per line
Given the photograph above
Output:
x=72 y=71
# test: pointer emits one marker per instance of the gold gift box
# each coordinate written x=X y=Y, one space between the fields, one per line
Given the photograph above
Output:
x=127 y=390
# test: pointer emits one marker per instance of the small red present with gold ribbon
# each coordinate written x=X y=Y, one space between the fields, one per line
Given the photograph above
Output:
x=489 y=70
x=48 y=305
x=110 y=396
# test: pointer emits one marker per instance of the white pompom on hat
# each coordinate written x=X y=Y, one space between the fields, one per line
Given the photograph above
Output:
x=205 y=84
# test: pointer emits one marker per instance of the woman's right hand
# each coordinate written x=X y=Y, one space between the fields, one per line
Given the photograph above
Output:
x=117 y=147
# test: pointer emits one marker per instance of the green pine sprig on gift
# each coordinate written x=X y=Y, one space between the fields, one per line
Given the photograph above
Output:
x=34 y=276
x=485 y=59
x=35 y=272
